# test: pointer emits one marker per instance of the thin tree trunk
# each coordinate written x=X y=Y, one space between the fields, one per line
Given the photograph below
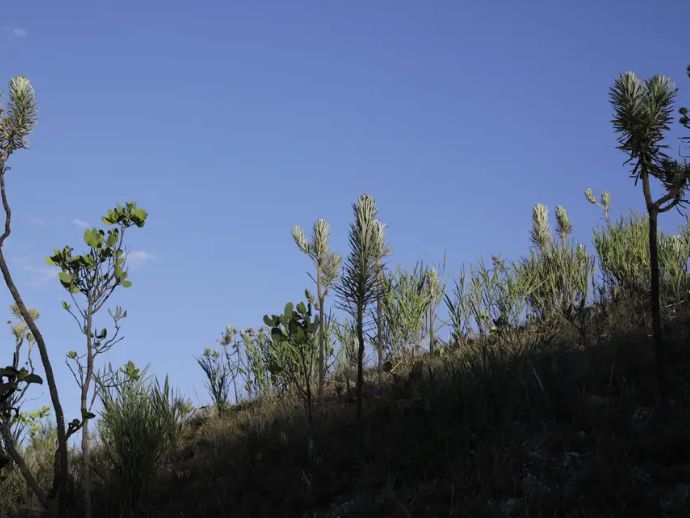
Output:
x=432 y=317
x=379 y=322
x=309 y=405
x=85 y=437
x=379 y=334
x=360 y=363
x=60 y=468
x=322 y=332
x=655 y=305
x=234 y=377
x=659 y=347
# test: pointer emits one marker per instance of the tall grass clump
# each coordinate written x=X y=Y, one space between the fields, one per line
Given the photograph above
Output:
x=486 y=300
x=560 y=272
x=623 y=254
x=260 y=379
x=139 y=429
x=345 y=368
x=218 y=374
x=435 y=290
x=406 y=299
x=38 y=451
x=553 y=285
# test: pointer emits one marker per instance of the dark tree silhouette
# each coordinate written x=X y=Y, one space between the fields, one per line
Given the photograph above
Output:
x=642 y=116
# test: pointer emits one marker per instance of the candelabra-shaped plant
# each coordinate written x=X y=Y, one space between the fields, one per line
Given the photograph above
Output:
x=642 y=117
x=327 y=264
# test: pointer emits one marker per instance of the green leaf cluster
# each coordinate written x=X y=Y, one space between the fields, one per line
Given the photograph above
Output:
x=104 y=262
x=294 y=352
x=125 y=216
x=294 y=325
x=11 y=381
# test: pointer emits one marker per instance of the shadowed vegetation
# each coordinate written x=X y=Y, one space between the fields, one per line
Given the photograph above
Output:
x=525 y=388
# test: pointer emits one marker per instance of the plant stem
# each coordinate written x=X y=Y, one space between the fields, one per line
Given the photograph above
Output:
x=659 y=346
x=61 y=466
x=322 y=331
x=85 y=437
x=379 y=324
x=21 y=463
x=360 y=362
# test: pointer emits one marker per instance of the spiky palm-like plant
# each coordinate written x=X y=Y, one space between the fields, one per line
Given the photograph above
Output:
x=360 y=280
x=327 y=265
x=16 y=122
x=642 y=116
x=382 y=251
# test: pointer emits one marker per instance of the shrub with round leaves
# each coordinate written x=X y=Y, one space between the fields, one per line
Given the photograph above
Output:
x=294 y=351
x=105 y=252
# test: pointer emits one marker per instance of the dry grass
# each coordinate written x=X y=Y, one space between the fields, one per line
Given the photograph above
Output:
x=551 y=430
x=525 y=424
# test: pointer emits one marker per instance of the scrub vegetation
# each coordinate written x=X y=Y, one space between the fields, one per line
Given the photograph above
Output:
x=552 y=384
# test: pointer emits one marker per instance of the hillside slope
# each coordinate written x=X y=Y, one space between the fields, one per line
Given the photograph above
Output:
x=544 y=429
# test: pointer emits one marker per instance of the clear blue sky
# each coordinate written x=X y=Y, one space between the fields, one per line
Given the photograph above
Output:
x=231 y=124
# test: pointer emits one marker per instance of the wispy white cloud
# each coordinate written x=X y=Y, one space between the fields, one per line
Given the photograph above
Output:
x=81 y=223
x=39 y=275
x=38 y=222
x=138 y=258
x=18 y=33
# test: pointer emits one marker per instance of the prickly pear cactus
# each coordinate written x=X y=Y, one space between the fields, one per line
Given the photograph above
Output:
x=294 y=350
